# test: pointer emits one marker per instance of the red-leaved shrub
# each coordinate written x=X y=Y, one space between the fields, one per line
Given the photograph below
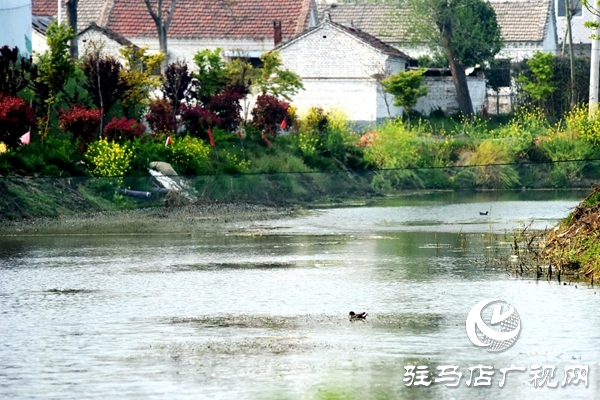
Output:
x=16 y=118
x=226 y=105
x=123 y=129
x=160 y=116
x=269 y=112
x=82 y=122
x=198 y=119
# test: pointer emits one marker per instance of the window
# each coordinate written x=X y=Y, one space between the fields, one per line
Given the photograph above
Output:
x=561 y=7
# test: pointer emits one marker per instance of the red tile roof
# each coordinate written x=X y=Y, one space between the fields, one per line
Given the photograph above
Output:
x=239 y=19
x=47 y=7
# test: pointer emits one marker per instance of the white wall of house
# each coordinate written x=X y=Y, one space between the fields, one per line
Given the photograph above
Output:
x=336 y=69
x=15 y=23
x=186 y=49
x=441 y=94
x=93 y=39
x=38 y=42
x=581 y=34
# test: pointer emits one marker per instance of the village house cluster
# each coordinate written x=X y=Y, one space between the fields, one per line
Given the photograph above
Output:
x=338 y=48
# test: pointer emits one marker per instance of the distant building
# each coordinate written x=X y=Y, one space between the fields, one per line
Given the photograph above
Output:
x=337 y=65
x=15 y=20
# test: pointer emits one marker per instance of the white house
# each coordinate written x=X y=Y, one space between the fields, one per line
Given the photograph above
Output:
x=337 y=65
x=581 y=34
x=95 y=37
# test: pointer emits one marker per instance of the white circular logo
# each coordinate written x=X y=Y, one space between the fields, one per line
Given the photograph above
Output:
x=494 y=340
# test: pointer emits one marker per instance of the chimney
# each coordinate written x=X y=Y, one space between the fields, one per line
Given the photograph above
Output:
x=277 y=32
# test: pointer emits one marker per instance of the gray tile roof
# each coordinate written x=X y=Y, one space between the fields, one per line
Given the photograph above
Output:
x=519 y=20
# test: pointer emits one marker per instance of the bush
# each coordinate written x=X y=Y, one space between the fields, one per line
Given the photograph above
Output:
x=16 y=118
x=123 y=129
x=395 y=146
x=484 y=173
x=226 y=105
x=82 y=122
x=108 y=158
x=198 y=119
x=579 y=125
x=189 y=155
x=160 y=117
x=269 y=112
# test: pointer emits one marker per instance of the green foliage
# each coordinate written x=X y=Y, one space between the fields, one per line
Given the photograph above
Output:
x=53 y=157
x=467 y=29
x=406 y=87
x=395 y=146
x=212 y=74
x=274 y=79
x=189 y=155
x=138 y=76
x=55 y=66
x=542 y=85
x=484 y=173
x=106 y=158
x=436 y=60
x=579 y=124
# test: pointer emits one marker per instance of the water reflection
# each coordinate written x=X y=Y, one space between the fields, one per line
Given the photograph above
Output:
x=246 y=316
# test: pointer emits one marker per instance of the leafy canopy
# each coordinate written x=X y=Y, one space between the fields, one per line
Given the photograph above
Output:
x=275 y=80
x=542 y=85
x=55 y=66
x=467 y=29
x=406 y=87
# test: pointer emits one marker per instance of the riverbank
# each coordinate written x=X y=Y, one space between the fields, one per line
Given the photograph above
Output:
x=199 y=218
x=573 y=246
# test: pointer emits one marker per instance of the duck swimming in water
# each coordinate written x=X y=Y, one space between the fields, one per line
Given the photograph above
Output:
x=354 y=315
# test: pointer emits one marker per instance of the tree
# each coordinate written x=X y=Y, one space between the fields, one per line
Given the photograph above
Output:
x=177 y=86
x=103 y=83
x=406 y=87
x=162 y=24
x=467 y=32
x=212 y=75
x=54 y=67
x=541 y=86
x=138 y=77
x=274 y=79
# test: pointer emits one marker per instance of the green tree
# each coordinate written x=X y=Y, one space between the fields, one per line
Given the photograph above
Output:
x=55 y=67
x=139 y=77
x=542 y=84
x=212 y=74
x=465 y=30
x=406 y=87
x=274 y=79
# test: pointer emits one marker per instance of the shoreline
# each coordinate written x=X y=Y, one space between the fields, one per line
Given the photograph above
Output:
x=182 y=220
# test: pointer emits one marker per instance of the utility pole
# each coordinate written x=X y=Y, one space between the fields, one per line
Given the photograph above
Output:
x=59 y=11
x=595 y=60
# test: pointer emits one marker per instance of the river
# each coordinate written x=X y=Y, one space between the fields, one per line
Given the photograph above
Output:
x=261 y=312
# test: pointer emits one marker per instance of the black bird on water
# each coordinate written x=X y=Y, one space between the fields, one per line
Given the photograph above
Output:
x=354 y=315
x=483 y=213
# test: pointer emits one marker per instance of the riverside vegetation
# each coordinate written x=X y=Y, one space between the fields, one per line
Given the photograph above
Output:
x=95 y=127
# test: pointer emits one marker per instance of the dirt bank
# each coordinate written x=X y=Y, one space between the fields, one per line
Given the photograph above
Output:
x=159 y=220
x=573 y=246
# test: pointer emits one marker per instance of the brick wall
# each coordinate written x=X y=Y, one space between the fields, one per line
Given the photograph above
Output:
x=441 y=94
